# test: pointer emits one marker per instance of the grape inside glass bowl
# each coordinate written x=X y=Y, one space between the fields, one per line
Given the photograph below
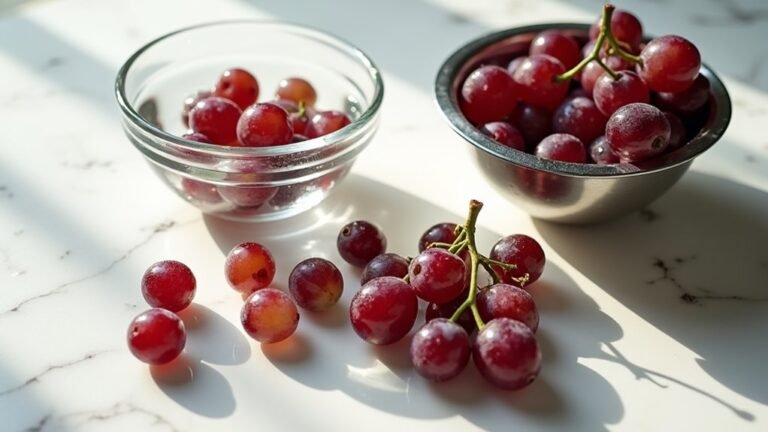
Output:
x=248 y=183
x=556 y=190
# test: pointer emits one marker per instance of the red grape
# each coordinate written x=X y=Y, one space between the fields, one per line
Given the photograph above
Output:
x=686 y=101
x=196 y=137
x=200 y=191
x=387 y=264
x=156 y=336
x=190 y=102
x=514 y=64
x=532 y=122
x=506 y=354
x=558 y=45
x=611 y=94
x=593 y=71
x=297 y=90
x=263 y=125
x=579 y=117
x=247 y=196
x=168 y=285
x=677 y=133
x=508 y=301
x=562 y=147
x=269 y=315
x=384 y=310
x=637 y=132
x=625 y=27
x=522 y=251
x=216 y=118
x=239 y=86
x=249 y=267
x=670 y=64
x=536 y=85
x=488 y=94
x=600 y=152
x=439 y=233
x=440 y=350
x=325 y=122
x=437 y=276
x=316 y=284
x=504 y=133
x=446 y=310
x=359 y=242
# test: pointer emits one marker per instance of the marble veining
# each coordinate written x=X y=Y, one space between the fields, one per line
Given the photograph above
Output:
x=52 y=368
x=100 y=418
x=61 y=288
x=668 y=267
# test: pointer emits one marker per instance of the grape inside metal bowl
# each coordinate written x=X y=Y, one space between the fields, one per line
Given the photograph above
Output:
x=562 y=191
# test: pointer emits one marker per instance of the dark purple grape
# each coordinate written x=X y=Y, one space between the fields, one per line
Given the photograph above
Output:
x=579 y=117
x=387 y=264
x=359 y=242
x=686 y=101
x=677 y=133
x=440 y=350
x=440 y=233
x=316 y=284
x=533 y=123
x=446 y=310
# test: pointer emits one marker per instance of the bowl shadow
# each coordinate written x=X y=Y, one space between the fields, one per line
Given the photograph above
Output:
x=693 y=266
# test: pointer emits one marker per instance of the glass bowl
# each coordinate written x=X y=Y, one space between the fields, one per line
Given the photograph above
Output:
x=562 y=191
x=248 y=183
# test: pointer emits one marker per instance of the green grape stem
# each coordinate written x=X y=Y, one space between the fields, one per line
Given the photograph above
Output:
x=615 y=48
x=466 y=239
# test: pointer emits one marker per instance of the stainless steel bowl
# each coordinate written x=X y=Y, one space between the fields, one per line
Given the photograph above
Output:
x=562 y=191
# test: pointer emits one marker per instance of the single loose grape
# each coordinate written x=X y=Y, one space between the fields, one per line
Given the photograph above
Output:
x=169 y=285
x=316 y=284
x=249 y=267
x=156 y=336
x=269 y=315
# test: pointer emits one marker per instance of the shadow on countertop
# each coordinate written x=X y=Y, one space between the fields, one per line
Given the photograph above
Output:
x=382 y=377
x=694 y=265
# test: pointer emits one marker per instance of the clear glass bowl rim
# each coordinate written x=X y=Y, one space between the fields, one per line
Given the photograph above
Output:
x=231 y=151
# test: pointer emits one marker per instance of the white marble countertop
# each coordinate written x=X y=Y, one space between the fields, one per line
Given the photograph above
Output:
x=654 y=322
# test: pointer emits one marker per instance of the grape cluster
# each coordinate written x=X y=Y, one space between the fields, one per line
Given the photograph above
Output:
x=611 y=99
x=230 y=114
x=502 y=316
